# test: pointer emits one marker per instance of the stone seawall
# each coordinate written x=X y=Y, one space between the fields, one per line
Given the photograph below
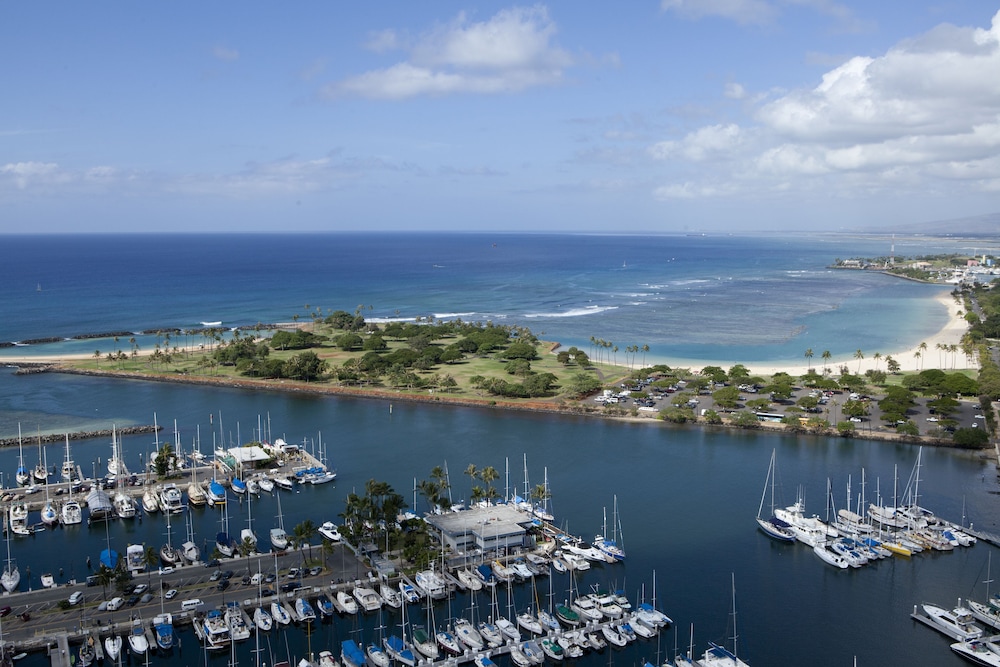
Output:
x=83 y=435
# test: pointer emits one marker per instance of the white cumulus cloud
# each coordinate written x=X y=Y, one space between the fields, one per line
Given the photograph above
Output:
x=511 y=51
x=702 y=144
x=927 y=109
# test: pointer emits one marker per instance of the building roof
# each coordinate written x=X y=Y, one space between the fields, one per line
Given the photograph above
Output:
x=248 y=454
x=483 y=521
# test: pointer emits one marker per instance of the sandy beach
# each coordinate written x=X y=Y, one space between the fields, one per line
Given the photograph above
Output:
x=932 y=357
x=950 y=334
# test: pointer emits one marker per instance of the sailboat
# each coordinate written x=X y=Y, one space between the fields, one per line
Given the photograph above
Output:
x=188 y=548
x=248 y=538
x=773 y=527
x=71 y=513
x=50 y=516
x=611 y=547
x=22 y=475
x=718 y=656
x=124 y=503
x=168 y=554
x=11 y=576
x=163 y=623
x=196 y=494
x=279 y=538
x=68 y=472
x=398 y=648
x=40 y=475
x=988 y=613
x=826 y=554
x=222 y=540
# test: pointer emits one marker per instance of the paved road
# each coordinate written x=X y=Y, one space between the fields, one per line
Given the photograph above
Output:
x=191 y=581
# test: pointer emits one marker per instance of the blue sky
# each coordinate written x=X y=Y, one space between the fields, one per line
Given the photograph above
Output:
x=660 y=116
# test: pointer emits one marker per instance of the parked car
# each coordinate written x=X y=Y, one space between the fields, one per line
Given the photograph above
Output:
x=75 y=598
x=115 y=603
x=171 y=594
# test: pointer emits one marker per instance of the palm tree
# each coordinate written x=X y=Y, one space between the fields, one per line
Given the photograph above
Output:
x=440 y=477
x=472 y=472
x=809 y=357
x=489 y=474
x=105 y=575
x=327 y=549
x=826 y=359
x=645 y=349
x=97 y=355
x=303 y=534
x=923 y=348
x=431 y=493
x=917 y=356
x=540 y=494
x=150 y=558
x=877 y=356
x=247 y=547
x=859 y=355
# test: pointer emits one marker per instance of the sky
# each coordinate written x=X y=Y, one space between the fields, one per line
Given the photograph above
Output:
x=656 y=116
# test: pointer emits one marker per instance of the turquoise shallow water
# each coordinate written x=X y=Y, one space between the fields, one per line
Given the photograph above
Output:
x=687 y=498
x=721 y=298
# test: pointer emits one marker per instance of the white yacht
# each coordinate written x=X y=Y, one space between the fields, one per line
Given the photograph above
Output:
x=150 y=501
x=214 y=631
x=329 y=531
x=809 y=530
x=171 y=499
x=367 y=598
x=432 y=584
x=137 y=639
x=830 y=557
x=956 y=623
x=978 y=652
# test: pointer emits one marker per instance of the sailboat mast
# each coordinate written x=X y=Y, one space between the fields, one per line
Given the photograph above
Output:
x=735 y=635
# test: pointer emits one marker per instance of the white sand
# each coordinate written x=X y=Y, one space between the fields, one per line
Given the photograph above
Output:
x=932 y=357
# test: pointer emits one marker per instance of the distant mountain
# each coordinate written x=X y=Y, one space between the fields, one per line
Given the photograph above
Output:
x=987 y=225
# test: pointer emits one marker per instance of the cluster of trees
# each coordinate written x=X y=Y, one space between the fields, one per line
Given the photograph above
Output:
x=252 y=358
x=295 y=340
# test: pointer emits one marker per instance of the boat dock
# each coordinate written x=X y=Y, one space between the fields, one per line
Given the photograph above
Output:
x=59 y=653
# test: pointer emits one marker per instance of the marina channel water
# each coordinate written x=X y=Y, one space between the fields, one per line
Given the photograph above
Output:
x=687 y=498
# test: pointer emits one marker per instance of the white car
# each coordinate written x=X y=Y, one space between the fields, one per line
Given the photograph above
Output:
x=171 y=594
x=932 y=419
x=76 y=597
x=166 y=570
x=115 y=603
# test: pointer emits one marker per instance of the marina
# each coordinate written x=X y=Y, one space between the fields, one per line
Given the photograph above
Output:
x=666 y=547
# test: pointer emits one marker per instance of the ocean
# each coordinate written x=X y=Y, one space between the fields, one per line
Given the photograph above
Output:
x=687 y=496
x=723 y=298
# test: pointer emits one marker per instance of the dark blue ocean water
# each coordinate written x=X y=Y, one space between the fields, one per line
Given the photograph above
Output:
x=687 y=297
x=686 y=496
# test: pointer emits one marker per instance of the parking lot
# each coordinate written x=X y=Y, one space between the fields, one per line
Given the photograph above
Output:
x=830 y=407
